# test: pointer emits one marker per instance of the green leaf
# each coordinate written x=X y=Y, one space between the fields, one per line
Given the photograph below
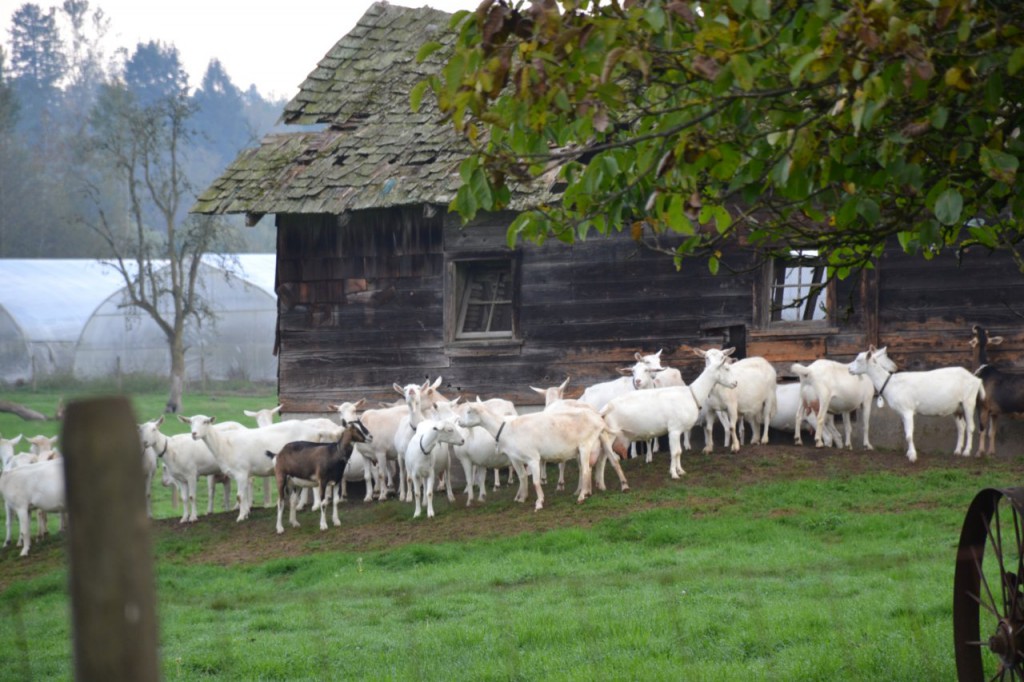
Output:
x=713 y=265
x=739 y=6
x=868 y=210
x=481 y=189
x=416 y=95
x=999 y=165
x=742 y=70
x=906 y=240
x=1016 y=61
x=427 y=49
x=948 y=207
x=676 y=218
x=655 y=17
x=797 y=70
x=761 y=9
x=984 y=234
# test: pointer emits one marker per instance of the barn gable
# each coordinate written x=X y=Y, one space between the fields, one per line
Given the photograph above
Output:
x=378 y=284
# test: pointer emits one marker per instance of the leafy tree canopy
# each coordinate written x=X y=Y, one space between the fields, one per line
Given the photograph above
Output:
x=777 y=124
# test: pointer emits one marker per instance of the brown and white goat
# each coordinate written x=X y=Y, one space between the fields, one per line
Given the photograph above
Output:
x=308 y=464
x=1004 y=391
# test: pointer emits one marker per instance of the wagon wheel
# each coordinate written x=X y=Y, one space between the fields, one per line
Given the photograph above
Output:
x=988 y=603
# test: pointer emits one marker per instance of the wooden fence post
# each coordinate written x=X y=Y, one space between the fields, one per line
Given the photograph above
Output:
x=113 y=601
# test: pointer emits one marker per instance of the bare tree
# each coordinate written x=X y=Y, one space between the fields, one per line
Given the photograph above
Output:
x=139 y=135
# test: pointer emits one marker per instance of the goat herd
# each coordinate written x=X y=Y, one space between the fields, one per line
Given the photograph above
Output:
x=412 y=444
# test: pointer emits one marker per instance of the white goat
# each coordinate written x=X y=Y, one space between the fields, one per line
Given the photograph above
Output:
x=359 y=467
x=670 y=411
x=938 y=392
x=795 y=398
x=149 y=462
x=663 y=377
x=836 y=392
x=42 y=444
x=476 y=453
x=753 y=397
x=241 y=452
x=39 y=485
x=264 y=417
x=185 y=460
x=426 y=458
x=531 y=440
x=636 y=378
x=666 y=376
x=382 y=423
x=8 y=461
x=553 y=400
x=418 y=398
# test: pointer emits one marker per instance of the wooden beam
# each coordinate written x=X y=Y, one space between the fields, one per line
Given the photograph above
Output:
x=113 y=606
x=26 y=413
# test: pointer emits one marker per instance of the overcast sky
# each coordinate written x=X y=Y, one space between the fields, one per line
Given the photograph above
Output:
x=270 y=44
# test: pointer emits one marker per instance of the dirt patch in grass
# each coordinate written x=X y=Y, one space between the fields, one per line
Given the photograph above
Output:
x=377 y=526
x=218 y=539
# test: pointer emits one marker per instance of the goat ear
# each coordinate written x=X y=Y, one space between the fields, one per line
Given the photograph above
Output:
x=542 y=391
x=639 y=358
x=17 y=439
x=973 y=342
x=360 y=404
x=213 y=419
x=564 y=384
x=160 y=420
x=437 y=382
x=628 y=371
x=276 y=409
x=699 y=351
x=728 y=351
x=398 y=389
x=248 y=413
x=871 y=348
x=995 y=340
x=183 y=419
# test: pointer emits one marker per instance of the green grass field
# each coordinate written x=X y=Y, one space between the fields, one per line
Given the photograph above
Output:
x=839 y=577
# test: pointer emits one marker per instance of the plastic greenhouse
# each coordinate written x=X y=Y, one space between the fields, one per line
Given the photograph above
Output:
x=68 y=317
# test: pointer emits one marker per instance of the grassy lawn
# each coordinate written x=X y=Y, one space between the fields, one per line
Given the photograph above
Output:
x=842 y=575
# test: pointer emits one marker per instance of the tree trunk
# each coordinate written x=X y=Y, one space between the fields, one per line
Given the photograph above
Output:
x=26 y=413
x=174 y=400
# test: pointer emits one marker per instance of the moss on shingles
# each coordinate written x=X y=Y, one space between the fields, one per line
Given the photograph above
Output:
x=373 y=142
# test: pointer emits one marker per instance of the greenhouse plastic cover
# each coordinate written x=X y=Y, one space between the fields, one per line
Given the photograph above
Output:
x=46 y=304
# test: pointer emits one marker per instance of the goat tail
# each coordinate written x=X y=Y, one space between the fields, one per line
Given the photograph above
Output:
x=798 y=369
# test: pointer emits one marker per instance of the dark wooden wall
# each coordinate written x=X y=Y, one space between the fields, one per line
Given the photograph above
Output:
x=927 y=308
x=361 y=306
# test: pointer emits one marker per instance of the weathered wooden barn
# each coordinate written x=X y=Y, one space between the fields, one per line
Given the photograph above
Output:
x=378 y=284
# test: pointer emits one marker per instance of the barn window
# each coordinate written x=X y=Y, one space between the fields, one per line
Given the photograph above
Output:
x=798 y=290
x=482 y=299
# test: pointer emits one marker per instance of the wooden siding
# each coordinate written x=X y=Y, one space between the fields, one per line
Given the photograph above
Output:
x=362 y=306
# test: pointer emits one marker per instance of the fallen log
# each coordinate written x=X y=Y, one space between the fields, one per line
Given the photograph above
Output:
x=25 y=413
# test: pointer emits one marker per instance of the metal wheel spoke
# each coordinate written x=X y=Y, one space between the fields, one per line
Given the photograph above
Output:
x=996 y=543
x=989 y=606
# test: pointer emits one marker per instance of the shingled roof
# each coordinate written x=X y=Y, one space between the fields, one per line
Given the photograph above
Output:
x=375 y=151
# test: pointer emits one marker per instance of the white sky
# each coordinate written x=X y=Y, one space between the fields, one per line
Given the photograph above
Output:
x=271 y=45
